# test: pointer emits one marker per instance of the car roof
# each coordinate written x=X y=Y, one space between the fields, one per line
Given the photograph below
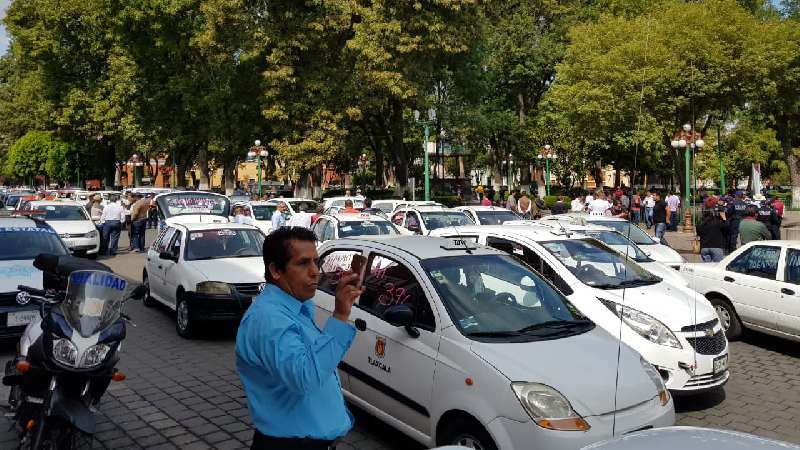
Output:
x=9 y=222
x=291 y=199
x=482 y=208
x=429 y=208
x=181 y=193
x=55 y=203
x=535 y=233
x=353 y=217
x=418 y=247
x=214 y=226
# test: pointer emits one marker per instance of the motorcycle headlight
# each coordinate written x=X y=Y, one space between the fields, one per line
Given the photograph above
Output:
x=647 y=327
x=213 y=288
x=95 y=355
x=655 y=377
x=65 y=352
x=91 y=234
x=548 y=408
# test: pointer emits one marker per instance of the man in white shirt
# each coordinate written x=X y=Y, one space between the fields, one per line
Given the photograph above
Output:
x=578 y=204
x=649 y=204
x=301 y=218
x=674 y=202
x=113 y=218
x=599 y=206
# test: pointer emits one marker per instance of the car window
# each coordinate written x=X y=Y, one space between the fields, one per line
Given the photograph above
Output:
x=532 y=259
x=60 y=212
x=332 y=265
x=792 y=271
x=384 y=206
x=440 y=219
x=319 y=229
x=25 y=243
x=310 y=205
x=224 y=243
x=412 y=222
x=625 y=228
x=760 y=261
x=397 y=218
x=365 y=228
x=263 y=212
x=388 y=283
x=495 y=217
x=175 y=247
x=165 y=239
x=328 y=232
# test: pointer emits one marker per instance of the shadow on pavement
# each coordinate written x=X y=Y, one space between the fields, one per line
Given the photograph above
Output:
x=772 y=343
x=386 y=433
x=699 y=402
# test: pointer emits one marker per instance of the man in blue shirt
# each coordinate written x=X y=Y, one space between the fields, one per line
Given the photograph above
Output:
x=278 y=218
x=287 y=364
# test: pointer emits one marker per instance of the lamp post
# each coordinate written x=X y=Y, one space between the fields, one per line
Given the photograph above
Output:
x=258 y=152
x=547 y=154
x=362 y=167
x=721 y=161
x=431 y=119
x=687 y=139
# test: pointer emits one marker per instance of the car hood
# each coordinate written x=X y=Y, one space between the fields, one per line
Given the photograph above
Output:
x=673 y=305
x=72 y=226
x=14 y=273
x=231 y=270
x=580 y=367
x=662 y=253
x=689 y=438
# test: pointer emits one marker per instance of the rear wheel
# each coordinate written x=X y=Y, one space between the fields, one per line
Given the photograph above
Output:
x=184 y=324
x=148 y=301
x=467 y=433
x=727 y=318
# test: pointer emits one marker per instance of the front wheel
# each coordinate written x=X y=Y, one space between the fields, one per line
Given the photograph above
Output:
x=148 y=301
x=469 y=434
x=184 y=324
x=727 y=318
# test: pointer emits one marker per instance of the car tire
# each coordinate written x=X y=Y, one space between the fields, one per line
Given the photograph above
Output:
x=468 y=433
x=148 y=301
x=727 y=318
x=184 y=324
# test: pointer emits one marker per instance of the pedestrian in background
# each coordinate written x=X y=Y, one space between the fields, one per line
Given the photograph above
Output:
x=113 y=219
x=286 y=362
x=649 y=204
x=769 y=217
x=737 y=209
x=674 y=203
x=713 y=232
x=152 y=212
x=524 y=206
x=302 y=218
x=559 y=207
x=511 y=201
x=636 y=207
x=139 y=213
x=577 y=204
x=278 y=219
x=751 y=229
x=661 y=217
x=600 y=205
x=485 y=200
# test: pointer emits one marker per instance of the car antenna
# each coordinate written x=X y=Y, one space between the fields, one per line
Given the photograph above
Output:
x=466 y=247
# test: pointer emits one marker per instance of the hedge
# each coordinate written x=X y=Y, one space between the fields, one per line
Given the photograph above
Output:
x=550 y=200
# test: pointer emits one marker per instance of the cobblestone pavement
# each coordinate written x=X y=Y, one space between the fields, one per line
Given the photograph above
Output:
x=186 y=394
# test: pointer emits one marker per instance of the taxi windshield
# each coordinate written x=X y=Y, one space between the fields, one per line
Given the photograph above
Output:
x=621 y=244
x=224 y=243
x=440 y=219
x=365 y=228
x=24 y=243
x=598 y=266
x=626 y=228
x=61 y=212
x=263 y=212
x=491 y=297
x=495 y=217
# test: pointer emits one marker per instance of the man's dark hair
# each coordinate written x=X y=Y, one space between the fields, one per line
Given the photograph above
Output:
x=751 y=211
x=367 y=202
x=277 y=244
x=348 y=203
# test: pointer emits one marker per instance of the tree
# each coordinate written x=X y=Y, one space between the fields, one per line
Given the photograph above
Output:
x=27 y=157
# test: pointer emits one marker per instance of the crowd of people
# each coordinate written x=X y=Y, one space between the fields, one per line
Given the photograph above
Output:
x=134 y=213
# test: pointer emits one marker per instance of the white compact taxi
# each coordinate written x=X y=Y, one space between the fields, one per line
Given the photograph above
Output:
x=465 y=345
x=674 y=328
x=424 y=219
x=71 y=222
x=338 y=226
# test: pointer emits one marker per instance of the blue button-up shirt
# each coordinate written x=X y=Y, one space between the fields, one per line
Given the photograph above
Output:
x=278 y=220
x=288 y=368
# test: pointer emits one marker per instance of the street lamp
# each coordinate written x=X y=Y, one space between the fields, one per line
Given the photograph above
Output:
x=431 y=120
x=362 y=166
x=547 y=154
x=510 y=166
x=688 y=140
x=258 y=152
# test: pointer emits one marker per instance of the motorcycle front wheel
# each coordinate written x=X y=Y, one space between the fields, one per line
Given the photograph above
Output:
x=56 y=435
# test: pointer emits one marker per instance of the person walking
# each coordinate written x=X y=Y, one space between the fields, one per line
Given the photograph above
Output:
x=661 y=217
x=713 y=232
x=152 y=213
x=139 y=211
x=649 y=204
x=674 y=203
x=278 y=219
x=113 y=218
x=288 y=364
x=636 y=208
x=751 y=229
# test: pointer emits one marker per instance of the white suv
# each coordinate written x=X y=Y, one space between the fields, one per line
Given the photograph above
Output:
x=465 y=345
x=674 y=328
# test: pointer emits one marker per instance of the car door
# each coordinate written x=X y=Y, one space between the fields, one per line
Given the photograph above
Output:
x=750 y=279
x=789 y=312
x=172 y=276
x=389 y=368
x=155 y=265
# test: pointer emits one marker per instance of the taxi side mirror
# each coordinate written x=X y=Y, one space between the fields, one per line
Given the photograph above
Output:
x=168 y=256
x=399 y=315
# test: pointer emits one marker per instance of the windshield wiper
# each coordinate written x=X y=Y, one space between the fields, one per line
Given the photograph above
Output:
x=556 y=325
x=492 y=334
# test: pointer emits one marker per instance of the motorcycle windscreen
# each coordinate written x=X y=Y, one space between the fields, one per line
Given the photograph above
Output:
x=94 y=300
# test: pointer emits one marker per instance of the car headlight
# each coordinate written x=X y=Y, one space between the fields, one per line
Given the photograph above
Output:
x=91 y=234
x=647 y=327
x=548 y=408
x=655 y=377
x=95 y=355
x=213 y=288
x=65 y=352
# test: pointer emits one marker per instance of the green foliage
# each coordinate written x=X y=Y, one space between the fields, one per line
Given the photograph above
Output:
x=551 y=200
x=28 y=156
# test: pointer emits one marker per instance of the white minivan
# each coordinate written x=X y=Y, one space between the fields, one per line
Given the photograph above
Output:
x=465 y=345
x=673 y=327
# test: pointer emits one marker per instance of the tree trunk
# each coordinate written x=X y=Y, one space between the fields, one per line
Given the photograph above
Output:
x=399 y=149
x=379 y=180
x=229 y=176
x=785 y=138
x=202 y=167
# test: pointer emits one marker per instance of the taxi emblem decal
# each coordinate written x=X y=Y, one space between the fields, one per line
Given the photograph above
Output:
x=380 y=347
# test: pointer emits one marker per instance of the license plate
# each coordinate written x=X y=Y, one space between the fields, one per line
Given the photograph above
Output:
x=720 y=364
x=18 y=318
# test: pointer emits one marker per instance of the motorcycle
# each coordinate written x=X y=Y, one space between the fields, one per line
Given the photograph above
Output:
x=67 y=358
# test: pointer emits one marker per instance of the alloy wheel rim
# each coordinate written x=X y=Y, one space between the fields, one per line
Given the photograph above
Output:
x=724 y=317
x=469 y=442
x=183 y=315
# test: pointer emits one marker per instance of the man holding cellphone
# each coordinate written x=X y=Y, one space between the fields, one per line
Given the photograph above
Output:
x=286 y=363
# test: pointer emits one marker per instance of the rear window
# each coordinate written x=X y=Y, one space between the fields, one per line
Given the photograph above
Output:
x=25 y=243
x=366 y=228
x=495 y=217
